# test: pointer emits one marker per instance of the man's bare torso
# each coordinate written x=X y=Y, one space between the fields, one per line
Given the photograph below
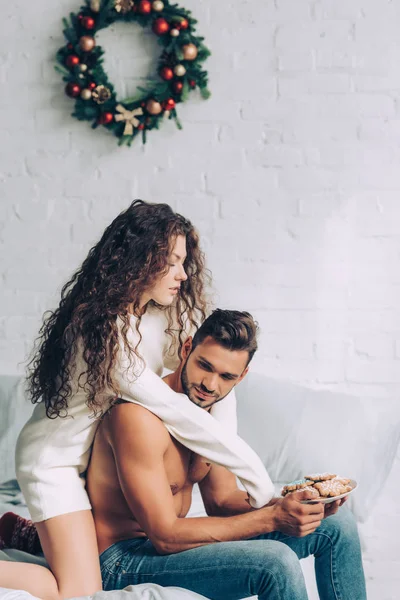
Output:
x=114 y=519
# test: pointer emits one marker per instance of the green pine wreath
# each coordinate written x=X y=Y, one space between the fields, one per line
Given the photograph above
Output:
x=179 y=66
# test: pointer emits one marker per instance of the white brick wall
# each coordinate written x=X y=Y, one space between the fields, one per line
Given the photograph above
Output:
x=290 y=172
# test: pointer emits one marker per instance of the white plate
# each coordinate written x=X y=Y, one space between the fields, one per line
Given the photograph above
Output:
x=353 y=484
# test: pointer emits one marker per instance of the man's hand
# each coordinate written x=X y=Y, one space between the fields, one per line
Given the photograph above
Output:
x=274 y=500
x=296 y=519
x=332 y=507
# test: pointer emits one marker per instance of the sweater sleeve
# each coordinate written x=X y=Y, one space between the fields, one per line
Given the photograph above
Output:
x=225 y=412
x=195 y=428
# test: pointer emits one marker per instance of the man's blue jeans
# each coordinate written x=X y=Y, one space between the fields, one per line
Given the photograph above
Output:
x=267 y=566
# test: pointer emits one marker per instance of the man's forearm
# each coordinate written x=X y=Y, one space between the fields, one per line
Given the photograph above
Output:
x=190 y=532
x=237 y=503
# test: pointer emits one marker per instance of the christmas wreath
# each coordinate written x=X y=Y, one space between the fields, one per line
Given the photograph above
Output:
x=179 y=67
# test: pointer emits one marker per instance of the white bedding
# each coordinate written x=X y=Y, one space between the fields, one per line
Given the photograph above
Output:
x=144 y=591
x=11 y=499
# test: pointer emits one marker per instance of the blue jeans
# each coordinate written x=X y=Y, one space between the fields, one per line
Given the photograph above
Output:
x=267 y=566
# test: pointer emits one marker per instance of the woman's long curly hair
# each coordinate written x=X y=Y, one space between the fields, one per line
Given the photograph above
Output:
x=129 y=258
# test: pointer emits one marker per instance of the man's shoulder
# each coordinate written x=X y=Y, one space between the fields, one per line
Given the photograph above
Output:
x=125 y=418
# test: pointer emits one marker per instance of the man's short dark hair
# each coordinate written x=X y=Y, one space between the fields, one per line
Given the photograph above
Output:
x=232 y=329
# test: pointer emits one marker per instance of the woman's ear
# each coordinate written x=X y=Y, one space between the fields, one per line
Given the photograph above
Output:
x=187 y=348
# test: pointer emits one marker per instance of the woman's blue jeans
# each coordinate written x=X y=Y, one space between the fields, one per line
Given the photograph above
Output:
x=266 y=566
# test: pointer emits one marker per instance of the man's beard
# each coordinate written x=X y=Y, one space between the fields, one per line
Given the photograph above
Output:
x=190 y=390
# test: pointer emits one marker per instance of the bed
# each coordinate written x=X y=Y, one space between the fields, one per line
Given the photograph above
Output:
x=11 y=499
x=293 y=429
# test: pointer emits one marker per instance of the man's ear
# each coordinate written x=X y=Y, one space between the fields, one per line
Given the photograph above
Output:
x=187 y=348
x=243 y=375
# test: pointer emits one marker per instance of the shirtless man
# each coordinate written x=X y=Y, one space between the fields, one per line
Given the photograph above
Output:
x=140 y=482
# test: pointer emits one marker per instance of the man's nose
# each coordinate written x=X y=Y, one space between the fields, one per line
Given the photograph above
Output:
x=210 y=382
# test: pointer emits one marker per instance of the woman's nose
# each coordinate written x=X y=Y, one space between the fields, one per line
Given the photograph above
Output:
x=182 y=274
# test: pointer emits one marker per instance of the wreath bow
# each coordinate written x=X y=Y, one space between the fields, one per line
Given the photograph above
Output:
x=129 y=116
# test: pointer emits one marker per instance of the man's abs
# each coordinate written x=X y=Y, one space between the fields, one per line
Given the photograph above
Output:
x=114 y=519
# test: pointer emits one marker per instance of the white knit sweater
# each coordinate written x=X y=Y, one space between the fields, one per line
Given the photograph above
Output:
x=52 y=453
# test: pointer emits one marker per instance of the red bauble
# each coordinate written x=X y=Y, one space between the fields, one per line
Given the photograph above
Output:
x=192 y=83
x=88 y=22
x=72 y=90
x=169 y=104
x=72 y=60
x=105 y=118
x=182 y=25
x=160 y=26
x=80 y=17
x=92 y=85
x=144 y=7
x=177 y=86
x=166 y=73
x=141 y=127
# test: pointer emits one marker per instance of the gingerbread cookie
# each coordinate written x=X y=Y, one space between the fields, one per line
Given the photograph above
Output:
x=308 y=488
x=320 y=477
x=342 y=480
x=331 y=488
x=293 y=486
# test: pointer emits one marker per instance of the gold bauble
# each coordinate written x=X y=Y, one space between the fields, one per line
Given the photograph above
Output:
x=83 y=68
x=95 y=6
x=189 y=51
x=179 y=70
x=86 y=43
x=123 y=6
x=174 y=32
x=86 y=94
x=157 y=6
x=153 y=107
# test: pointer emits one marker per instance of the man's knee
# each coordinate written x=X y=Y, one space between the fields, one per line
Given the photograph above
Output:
x=277 y=570
x=272 y=557
x=342 y=527
x=286 y=559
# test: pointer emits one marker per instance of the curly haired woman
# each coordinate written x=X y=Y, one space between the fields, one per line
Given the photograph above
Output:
x=122 y=318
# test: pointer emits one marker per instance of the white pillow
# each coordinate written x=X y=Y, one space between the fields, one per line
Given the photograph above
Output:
x=15 y=410
x=296 y=431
